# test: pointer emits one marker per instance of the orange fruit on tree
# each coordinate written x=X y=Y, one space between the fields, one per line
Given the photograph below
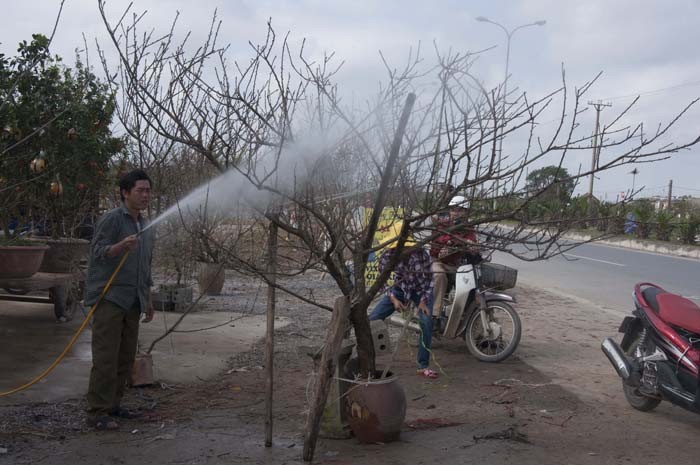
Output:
x=56 y=188
x=38 y=164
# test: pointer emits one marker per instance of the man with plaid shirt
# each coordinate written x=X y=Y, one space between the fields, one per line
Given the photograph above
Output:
x=413 y=280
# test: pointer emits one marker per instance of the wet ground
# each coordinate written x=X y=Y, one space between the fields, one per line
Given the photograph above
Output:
x=556 y=401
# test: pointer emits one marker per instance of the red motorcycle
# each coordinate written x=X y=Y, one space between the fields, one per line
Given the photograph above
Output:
x=659 y=356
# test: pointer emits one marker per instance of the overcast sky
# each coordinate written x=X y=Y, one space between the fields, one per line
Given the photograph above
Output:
x=642 y=46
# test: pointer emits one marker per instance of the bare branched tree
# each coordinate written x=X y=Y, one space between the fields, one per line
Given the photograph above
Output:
x=324 y=171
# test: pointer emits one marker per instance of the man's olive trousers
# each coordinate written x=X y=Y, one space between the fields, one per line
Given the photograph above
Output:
x=115 y=334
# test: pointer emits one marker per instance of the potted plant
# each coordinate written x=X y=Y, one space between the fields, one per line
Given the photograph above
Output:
x=376 y=406
x=20 y=258
x=66 y=226
x=174 y=257
x=209 y=240
x=56 y=146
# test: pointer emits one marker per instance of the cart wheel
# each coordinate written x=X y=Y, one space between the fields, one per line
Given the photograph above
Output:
x=16 y=291
x=58 y=295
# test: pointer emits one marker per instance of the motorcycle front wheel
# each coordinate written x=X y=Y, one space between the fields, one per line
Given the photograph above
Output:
x=501 y=341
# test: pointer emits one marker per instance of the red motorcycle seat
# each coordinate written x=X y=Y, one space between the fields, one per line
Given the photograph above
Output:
x=679 y=311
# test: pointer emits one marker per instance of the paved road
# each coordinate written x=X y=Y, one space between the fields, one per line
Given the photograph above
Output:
x=606 y=275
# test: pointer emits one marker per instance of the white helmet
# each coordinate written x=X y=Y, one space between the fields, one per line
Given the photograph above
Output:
x=459 y=201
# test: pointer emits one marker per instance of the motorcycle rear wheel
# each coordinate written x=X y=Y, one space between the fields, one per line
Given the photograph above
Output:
x=495 y=350
x=634 y=398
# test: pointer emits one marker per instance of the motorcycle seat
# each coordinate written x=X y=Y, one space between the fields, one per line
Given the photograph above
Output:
x=679 y=311
x=650 y=294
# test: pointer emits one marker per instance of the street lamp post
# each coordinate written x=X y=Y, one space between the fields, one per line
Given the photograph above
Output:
x=634 y=174
x=509 y=36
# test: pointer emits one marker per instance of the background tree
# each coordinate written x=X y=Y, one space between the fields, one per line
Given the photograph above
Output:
x=689 y=228
x=643 y=211
x=663 y=225
x=553 y=181
x=551 y=187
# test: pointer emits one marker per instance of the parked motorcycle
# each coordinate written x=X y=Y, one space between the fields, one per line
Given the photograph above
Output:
x=472 y=309
x=659 y=355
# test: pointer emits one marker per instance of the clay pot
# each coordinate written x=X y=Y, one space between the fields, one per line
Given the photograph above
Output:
x=142 y=371
x=21 y=261
x=64 y=254
x=376 y=409
x=210 y=278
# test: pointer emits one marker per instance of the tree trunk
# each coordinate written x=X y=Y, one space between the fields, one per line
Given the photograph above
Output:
x=363 y=335
x=358 y=313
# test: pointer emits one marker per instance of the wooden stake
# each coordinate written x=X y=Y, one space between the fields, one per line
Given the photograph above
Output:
x=329 y=359
x=270 y=332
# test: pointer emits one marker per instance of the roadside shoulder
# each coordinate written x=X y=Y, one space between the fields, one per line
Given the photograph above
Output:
x=659 y=247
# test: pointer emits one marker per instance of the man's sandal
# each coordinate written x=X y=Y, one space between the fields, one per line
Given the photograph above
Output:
x=428 y=373
x=105 y=423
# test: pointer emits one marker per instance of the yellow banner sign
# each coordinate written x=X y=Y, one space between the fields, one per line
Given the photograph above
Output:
x=388 y=227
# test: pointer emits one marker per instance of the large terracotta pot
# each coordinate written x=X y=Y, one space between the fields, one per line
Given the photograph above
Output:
x=376 y=409
x=210 y=278
x=21 y=261
x=64 y=254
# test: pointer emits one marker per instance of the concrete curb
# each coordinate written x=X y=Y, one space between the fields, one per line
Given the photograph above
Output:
x=663 y=248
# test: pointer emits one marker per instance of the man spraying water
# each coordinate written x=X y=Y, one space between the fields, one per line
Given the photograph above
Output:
x=116 y=320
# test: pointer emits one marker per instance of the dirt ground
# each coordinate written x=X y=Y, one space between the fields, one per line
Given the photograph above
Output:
x=556 y=401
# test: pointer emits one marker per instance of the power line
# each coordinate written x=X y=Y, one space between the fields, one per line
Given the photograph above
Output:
x=661 y=188
x=687 y=188
x=655 y=91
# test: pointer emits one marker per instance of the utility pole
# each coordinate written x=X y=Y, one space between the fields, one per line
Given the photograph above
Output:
x=670 y=190
x=596 y=148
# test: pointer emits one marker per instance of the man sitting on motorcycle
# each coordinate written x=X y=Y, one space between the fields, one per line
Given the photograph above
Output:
x=412 y=281
x=455 y=246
